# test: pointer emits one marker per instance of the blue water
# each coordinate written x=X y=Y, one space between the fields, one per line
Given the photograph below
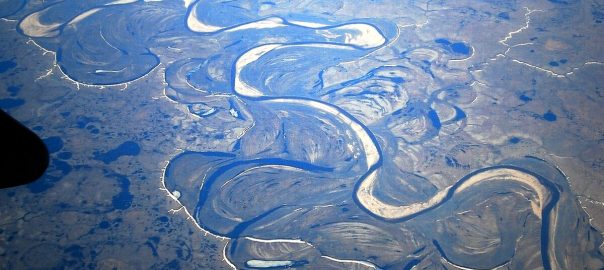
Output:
x=9 y=103
x=7 y=65
x=128 y=148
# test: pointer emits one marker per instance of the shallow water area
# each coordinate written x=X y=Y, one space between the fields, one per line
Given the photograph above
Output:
x=306 y=134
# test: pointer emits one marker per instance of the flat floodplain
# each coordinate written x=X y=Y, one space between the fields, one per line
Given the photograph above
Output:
x=306 y=134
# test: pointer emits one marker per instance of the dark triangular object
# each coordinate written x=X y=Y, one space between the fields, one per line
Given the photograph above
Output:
x=23 y=155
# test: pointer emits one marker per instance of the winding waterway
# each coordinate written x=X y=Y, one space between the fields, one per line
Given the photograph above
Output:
x=327 y=107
